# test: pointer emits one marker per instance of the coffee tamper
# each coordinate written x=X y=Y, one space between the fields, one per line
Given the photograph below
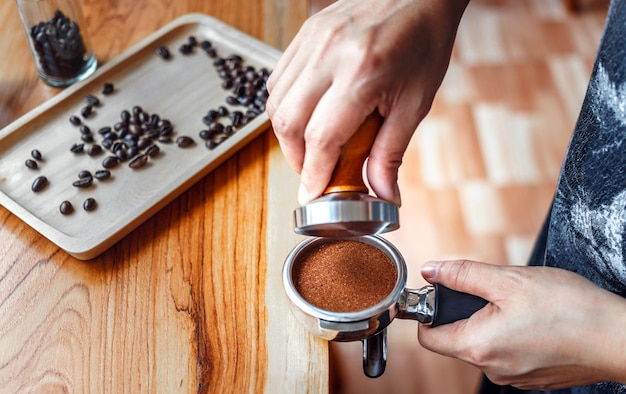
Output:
x=346 y=210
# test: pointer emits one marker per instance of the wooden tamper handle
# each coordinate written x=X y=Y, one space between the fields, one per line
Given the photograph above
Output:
x=348 y=173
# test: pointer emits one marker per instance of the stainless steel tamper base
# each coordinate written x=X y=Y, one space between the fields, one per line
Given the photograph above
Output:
x=346 y=214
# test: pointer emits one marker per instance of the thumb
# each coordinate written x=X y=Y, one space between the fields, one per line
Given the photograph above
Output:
x=466 y=276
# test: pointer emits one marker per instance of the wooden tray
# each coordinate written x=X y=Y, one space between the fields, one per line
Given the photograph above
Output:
x=182 y=89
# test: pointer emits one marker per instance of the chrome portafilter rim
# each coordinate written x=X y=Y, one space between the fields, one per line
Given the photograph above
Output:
x=388 y=303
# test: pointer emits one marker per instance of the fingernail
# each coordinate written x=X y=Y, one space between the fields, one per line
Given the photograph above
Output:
x=303 y=195
x=396 y=196
x=430 y=270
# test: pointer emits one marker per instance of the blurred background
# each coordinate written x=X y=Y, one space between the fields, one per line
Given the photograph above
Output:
x=480 y=172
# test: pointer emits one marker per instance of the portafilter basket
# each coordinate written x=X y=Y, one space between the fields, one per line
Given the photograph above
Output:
x=432 y=304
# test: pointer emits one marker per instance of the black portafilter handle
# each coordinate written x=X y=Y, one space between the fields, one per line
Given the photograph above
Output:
x=436 y=305
x=452 y=305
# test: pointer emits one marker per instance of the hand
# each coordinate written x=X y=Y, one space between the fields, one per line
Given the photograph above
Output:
x=346 y=61
x=544 y=328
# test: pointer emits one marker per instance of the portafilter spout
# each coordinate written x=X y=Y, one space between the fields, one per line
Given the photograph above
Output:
x=346 y=209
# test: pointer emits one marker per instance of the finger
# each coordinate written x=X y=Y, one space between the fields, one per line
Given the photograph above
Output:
x=468 y=276
x=291 y=118
x=334 y=120
x=387 y=152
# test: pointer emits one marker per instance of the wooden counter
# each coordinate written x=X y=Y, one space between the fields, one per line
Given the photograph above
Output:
x=191 y=300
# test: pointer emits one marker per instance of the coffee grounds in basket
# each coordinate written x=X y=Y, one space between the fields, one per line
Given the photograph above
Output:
x=344 y=276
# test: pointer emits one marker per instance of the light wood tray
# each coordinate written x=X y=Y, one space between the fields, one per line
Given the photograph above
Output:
x=182 y=90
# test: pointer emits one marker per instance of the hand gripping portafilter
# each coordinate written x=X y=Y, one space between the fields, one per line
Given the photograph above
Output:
x=347 y=210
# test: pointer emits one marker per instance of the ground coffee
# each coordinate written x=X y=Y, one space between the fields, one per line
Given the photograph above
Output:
x=344 y=275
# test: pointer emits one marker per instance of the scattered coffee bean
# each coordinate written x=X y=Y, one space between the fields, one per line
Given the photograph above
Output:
x=84 y=174
x=83 y=182
x=102 y=174
x=163 y=52
x=138 y=161
x=108 y=88
x=75 y=120
x=88 y=138
x=89 y=204
x=109 y=162
x=86 y=111
x=91 y=100
x=35 y=154
x=84 y=129
x=39 y=183
x=66 y=207
x=94 y=150
x=153 y=150
x=77 y=148
x=184 y=141
x=32 y=164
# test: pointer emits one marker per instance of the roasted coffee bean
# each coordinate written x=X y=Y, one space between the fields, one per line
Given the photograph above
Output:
x=134 y=129
x=83 y=182
x=125 y=117
x=119 y=126
x=132 y=152
x=211 y=52
x=91 y=100
x=102 y=174
x=235 y=118
x=35 y=154
x=89 y=204
x=75 y=120
x=86 y=111
x=153 y=150
x=204 y=134
x=84 y=129
x=66 y=207
x=184 y=141
x=108 y=88
x=122 y=154
x=39 y=183
x=229 y=130
x=84 y=174
x=144 y=142
x=210 y=144
x=232 y=100
x=32 y=164
x=138 y=161
x=191 y=40
x=185 y=49
x=205 y=44
x=94 y=150
x=216 y=127
x=88 y=138
x=111 y=135
x=222 y=111
x=165 y=140
x=107 y=143
x=164 y=123
x=104 y=130
x=227 y=84
x=166 y=131
x=109 y=162
x=163 y=52
x=77 y=148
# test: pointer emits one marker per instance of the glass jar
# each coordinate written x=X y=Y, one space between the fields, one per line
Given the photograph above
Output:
x=58 y=40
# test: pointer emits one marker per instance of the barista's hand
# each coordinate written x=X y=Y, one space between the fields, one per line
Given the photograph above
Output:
x=544 y=328
x=347 y=60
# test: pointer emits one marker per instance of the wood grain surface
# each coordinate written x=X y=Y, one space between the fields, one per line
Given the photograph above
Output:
x=189 y=301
